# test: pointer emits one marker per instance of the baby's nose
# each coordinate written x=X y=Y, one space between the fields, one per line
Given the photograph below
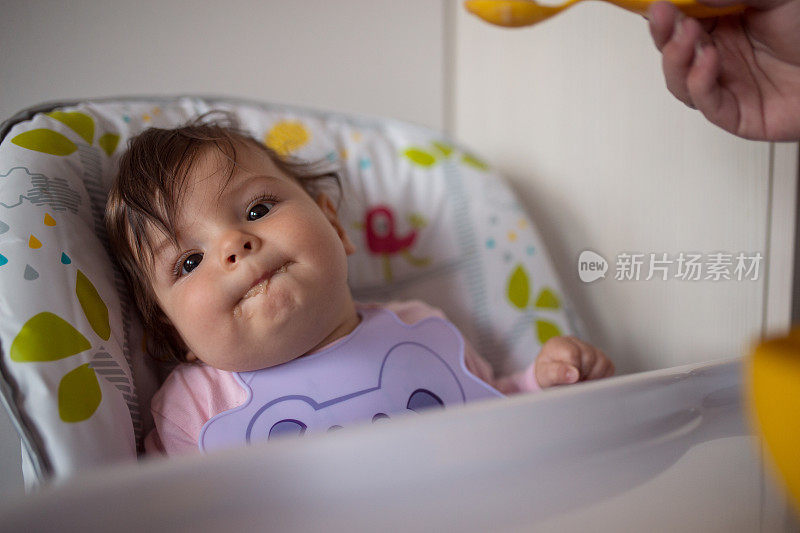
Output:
x=245 y=247
x=237 y=246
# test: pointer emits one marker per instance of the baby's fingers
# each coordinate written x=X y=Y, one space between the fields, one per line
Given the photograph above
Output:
x=552 y=373
x=602 y=367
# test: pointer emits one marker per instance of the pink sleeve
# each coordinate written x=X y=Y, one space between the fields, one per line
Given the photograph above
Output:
x=189 y=397
x=413 y=311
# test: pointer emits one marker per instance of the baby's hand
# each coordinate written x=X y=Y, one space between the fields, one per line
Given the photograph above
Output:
x=565 y=360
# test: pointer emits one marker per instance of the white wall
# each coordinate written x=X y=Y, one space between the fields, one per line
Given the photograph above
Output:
x=379 y=57
x=367 y=56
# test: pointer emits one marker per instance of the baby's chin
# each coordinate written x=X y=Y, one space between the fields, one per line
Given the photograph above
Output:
x=253 y=355
x=250 y=364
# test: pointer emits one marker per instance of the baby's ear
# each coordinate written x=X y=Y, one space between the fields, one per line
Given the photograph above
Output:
x=326 y=204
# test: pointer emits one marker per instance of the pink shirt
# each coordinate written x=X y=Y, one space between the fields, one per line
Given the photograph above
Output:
x=194 y=393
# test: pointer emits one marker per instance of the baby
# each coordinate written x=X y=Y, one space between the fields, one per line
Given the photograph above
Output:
x=238 y=262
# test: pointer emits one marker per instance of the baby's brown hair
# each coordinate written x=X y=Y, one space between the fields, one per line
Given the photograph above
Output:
x=146 y=196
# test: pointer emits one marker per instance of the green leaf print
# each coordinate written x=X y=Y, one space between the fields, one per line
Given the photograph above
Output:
x=420 y=157
x=80 y=123
x=444 y=149
x=108 y=142
x=79 y=394
x=474 y=162
x=46 y=337
x=519 y=288
x=93 y=306
x=546 y=330
x=547 y=299
x=45 y=141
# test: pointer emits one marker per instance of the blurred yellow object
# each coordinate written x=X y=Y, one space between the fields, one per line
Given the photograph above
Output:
x=774 y=387
x=516 y=13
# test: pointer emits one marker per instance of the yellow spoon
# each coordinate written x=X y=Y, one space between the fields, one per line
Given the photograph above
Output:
x=516 y=13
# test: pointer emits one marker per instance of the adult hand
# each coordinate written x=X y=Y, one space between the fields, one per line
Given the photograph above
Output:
x=741 y=71
x=565 y=360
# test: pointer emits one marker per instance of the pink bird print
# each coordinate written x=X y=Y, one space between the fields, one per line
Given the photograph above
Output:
x=382 y=239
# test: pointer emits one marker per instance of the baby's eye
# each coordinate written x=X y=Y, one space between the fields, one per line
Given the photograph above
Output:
x=259 y=210
x=190 y=263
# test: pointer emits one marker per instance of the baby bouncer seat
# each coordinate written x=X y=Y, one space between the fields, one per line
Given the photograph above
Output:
x=430 y=219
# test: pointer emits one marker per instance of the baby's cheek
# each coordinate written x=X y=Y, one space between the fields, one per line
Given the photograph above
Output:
x=198 y=314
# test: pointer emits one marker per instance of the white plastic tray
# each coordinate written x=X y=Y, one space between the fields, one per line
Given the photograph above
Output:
x=668 y=450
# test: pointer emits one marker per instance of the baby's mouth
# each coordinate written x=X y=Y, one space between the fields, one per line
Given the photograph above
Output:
x=261 y=285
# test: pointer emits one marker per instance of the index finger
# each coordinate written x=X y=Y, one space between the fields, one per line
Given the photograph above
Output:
x=662 y=16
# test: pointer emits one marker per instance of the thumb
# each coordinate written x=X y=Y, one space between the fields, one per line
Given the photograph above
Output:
x=552 y=373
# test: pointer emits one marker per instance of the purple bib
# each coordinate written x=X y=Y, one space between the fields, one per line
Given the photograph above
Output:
x=384 y=368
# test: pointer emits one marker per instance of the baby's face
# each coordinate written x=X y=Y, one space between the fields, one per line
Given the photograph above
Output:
x=260 y=276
